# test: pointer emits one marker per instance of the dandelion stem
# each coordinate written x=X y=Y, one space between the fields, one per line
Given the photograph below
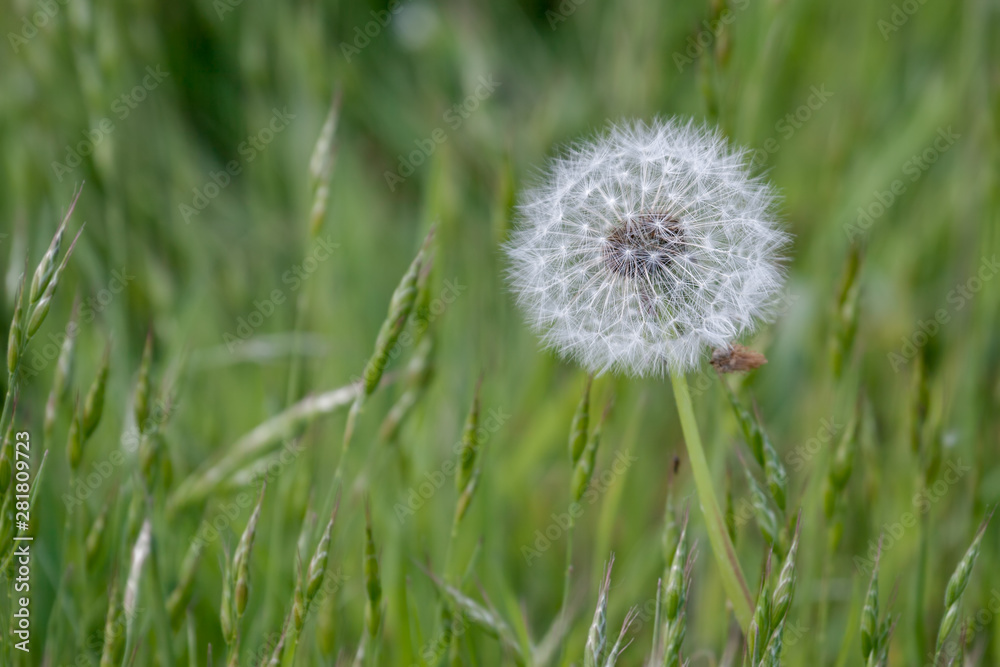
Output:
x=725 y=554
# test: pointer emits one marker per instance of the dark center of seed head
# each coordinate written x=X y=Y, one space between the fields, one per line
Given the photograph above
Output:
x=644 y=245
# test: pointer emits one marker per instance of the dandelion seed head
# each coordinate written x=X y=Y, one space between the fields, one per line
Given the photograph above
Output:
x=644 y=249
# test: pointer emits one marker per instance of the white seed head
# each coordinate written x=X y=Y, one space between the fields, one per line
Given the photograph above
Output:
x=642 y=250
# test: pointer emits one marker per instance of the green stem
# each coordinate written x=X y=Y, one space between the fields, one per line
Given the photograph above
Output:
x=61 y=605
x=352 y=417
x=288 y=657
x=824 y=606
x=440 y=630
x=292 y=647
x=725 y=554
x=161 y=622
x=569 y=566
x=564 y=606
x=8 y=401
x=448 y=554
x=192 y=641
x=919 y=632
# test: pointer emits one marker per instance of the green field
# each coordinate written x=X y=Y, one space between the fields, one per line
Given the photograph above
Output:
x=254 y=182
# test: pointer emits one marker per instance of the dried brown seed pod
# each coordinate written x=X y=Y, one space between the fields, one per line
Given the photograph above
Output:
x=737 y=359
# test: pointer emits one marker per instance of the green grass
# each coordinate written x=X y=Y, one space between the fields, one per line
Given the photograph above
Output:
x=894 y=440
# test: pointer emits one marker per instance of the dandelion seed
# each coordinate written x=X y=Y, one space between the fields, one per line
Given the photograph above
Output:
x=642 y=250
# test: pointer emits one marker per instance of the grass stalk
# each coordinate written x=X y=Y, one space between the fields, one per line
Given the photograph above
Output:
x=567 y=583
x=725 y=554
x=920 y=590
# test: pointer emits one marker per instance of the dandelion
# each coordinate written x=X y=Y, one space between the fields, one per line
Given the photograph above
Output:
x=643 y=250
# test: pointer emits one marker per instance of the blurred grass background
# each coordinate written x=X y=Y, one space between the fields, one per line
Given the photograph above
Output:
x=563 y=70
